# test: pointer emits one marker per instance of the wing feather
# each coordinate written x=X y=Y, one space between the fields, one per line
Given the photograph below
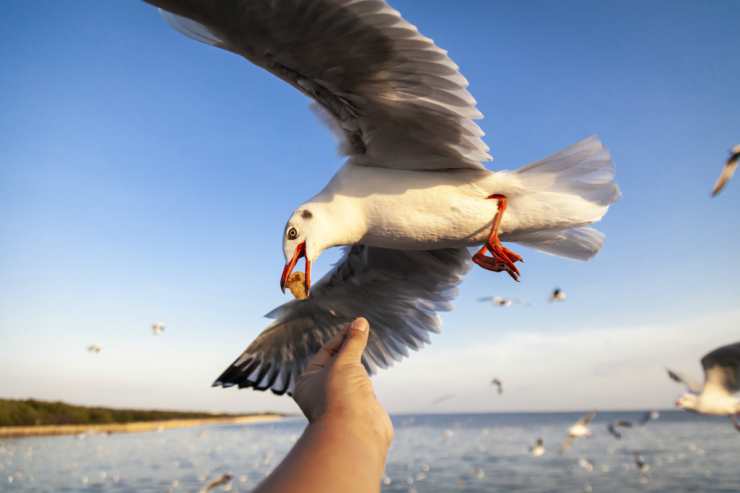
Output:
x=722 y=368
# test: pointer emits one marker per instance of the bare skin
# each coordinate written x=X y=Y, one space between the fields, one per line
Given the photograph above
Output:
x=343 y=448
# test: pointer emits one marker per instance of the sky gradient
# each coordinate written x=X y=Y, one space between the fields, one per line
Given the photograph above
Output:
x=147 y=177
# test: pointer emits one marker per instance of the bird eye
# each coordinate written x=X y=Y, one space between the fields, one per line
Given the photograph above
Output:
x=292 y=234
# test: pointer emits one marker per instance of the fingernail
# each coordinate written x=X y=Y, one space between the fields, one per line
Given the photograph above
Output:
x=359 y=324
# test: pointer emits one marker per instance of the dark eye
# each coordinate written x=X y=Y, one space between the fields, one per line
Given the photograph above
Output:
x=292 y=234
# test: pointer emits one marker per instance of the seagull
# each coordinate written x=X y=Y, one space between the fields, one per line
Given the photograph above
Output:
x=558 y=295
x=578 y=430
x=219 y=481
x=502 y=302
x=721 y=381
x=727 y=171
x=414 y=192
x=538 y=449
x=612 y=427
x=642 y=466
x=586 y=464
x=442 y=398
x=649 y=416
x=94 y=348
x=157 y=328
x=499 y=385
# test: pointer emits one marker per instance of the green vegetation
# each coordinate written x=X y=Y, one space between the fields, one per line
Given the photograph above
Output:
x=31 y=412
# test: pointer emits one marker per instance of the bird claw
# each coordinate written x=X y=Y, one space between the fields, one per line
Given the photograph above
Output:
x=499 y=261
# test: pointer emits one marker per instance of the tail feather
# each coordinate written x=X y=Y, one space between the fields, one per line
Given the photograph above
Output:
x=576 y=243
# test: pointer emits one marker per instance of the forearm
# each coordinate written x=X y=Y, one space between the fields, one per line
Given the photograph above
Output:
x=332 y=456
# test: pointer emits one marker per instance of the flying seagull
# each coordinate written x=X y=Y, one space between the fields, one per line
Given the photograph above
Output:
x=578 y=430
x=501 y=301
x=727 y=171
x=649 y=416
x=414 y=193
x=614 y=426
x=94 y=348
x=558 y=295
x=538 y=449
x=442 y=398
x=642 y=466
x=721 y=381
x=157 y=328
x=222 y=480
x=499 y=385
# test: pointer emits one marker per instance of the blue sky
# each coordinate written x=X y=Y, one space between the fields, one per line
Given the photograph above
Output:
x=147 y=177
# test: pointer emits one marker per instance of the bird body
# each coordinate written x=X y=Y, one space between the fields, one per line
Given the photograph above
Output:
x=538 y=449
x=579 y=430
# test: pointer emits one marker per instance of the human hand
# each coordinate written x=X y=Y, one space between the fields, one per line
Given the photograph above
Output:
x=335 y=389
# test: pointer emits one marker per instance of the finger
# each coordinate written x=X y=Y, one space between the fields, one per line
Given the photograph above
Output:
x=355 y=342
x=328 y=350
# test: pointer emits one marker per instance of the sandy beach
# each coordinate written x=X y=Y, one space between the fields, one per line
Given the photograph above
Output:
x=22 y=431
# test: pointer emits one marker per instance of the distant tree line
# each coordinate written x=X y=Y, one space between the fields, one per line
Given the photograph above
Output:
x=31 y=412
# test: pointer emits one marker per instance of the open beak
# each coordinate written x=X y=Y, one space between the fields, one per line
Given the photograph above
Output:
x=300 y=252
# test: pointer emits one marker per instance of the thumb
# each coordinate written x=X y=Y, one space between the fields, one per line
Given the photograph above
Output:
x=355 y=342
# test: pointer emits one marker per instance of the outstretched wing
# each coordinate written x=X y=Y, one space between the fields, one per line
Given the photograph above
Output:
x=722 y=369
x=680 y=378
x=399 y=292
x=586 y=420
x=394 y=97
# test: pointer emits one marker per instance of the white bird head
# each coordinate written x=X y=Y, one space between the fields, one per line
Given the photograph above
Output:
x=301 y=240
x=687 y=401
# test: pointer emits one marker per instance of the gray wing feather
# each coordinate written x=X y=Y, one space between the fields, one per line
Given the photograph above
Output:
x=722 y=367
x=680 y=378
x=399 y=292
x=397 y=98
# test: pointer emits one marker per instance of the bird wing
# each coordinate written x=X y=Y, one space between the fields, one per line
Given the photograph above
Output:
x=726 y=175
x=586 y=420
x=722 y=369
x=399 y=292
x=567 y=443
x=394 y=98
x=680 y=378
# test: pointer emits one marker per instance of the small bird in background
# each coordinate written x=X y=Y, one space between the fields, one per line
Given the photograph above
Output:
x=721 y=380
x=222 y=480
x=157 y=328
x=501 y=301
x=499 y=385
x=94 y=349
x=538 y=449
x=578 y=430
x=586 y=464
x=614 y=425
x=649 y=416
x=727 y=171
x=442 y=399
x=642 y=466
x=558 y=295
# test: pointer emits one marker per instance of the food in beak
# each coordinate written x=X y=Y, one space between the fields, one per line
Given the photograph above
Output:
x=300 y=252
x=297 y=284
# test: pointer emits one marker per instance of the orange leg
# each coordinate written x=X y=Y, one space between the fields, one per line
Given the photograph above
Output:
x=501 y=259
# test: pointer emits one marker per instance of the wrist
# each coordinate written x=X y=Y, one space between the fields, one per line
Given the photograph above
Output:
x=373 y=433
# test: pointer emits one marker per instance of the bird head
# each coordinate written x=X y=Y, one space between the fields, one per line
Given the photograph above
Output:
x=300 y=240
x=687 y=401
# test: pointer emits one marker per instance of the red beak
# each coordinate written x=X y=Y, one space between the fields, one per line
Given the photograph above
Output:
x=300 y=252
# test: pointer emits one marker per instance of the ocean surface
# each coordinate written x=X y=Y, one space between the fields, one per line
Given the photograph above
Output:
x=431 y=453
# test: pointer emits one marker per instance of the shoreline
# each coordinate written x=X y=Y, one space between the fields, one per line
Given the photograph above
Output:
x=133 y=427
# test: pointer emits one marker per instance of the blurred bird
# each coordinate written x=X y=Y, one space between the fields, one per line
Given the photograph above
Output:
x=538 y=449
x=642 y=466
x=558 y=295
x=612 y=427
x=727 y=171
x=94 y=348
x=501 y=301
x=649 y=416
x=222 y=480
x=499 y=385
x=442 y=398
x=578 y=430
x=721 y=381
x=414 y=193
x=157 y=328
x=586 y=464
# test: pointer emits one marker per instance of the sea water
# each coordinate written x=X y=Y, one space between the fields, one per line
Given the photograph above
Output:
x=430 y=453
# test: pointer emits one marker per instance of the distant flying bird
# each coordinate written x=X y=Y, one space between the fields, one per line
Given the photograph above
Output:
x=538 y=449
x=94 y=348
x=649 y=416
x=586 y=464
x=642 y=466
x=727 y=171
x=558 y=295
x=501 y=301
x=721 y=380
x=157 y=328
x=579 y=430
x=442 y=398
x=414 y=193
x=499 y=385
x=222 y=480
x=614 y=426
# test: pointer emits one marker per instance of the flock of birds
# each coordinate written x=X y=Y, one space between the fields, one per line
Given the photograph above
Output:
x=157 y=328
